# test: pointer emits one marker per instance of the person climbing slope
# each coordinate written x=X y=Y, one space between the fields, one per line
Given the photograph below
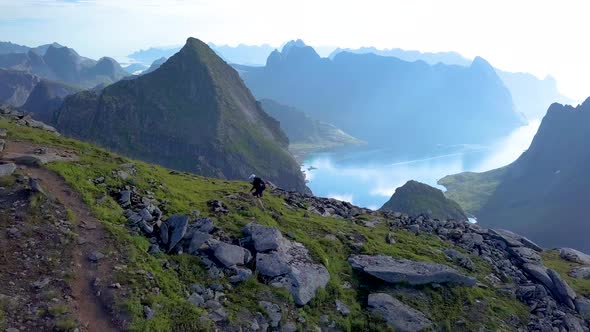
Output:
x=258 y=185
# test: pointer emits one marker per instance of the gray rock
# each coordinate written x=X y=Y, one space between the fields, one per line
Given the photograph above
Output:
x=273 y=264
x=218 y=315
x=342 y=308
x=146 y=227
x=406 y=271
x=196 y=300
x=390 y=238
x=583 y=307
x=574 y=255
x=524 y=255
x=229 y=255
x=177 y=225
x=561 y=289
x=197 y=240
x=539 y=273
x=95 y=256
x=398 y=316
x=154 y=249
x=289 y=327
x=2 y=145
x=273 y=312
x=7 y=169
x=265 y=238
x=3 y=132
x=241 y=275
x=29 y=160
x=581 y=272
x=125 y=198
x=204 y=225
x=305 y=279
x=148 y=313
x=472 y=239
x=460 y=259
x=39 y=284
x=146 y=215
x=513 y=239
x=164 y=233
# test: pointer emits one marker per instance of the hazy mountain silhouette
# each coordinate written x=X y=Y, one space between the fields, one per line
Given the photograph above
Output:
x=193 y=113
x=46 y=98
x=15 y=86
x=371 y=97
x=63 y=64
x=448 y=58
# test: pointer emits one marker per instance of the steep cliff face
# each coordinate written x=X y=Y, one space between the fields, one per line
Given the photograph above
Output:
x=15 y=86
x=544 y=193
x=193 y=113
x=46 y=98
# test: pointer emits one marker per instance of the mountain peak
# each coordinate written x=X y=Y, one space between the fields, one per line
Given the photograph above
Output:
x=293 y=43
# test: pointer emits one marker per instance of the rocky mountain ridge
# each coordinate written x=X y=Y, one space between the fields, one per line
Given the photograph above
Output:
x=384 y=268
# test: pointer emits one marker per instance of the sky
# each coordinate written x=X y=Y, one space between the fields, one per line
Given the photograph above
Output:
x=537 y=36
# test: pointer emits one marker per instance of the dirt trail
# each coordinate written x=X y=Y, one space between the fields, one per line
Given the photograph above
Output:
x=92 y=312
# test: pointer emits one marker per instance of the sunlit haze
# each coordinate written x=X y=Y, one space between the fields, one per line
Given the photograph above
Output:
x=540 y=37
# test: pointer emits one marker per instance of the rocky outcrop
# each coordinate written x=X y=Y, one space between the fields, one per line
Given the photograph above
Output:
x=287 y=263
x=398 y=316
x=406 y=271
x=574 y=255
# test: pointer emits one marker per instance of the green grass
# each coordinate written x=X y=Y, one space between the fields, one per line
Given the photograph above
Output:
x=186 y=192
x=472 y=190
x=552 y=260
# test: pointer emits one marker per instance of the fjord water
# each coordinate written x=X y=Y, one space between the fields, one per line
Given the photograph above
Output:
x=367 y=176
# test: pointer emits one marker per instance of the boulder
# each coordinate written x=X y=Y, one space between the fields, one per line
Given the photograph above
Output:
x=29 y=160
x=164 y=233
x=2 y=145
x=273 y=264
x=583 y=307
x=398 y=316
x=581 y=272
x=204 y=225
x=561 y=289
x=406 y=271
x=229 y=255
x=242 y=274
x=177 y=226
x=539 y=273
x=525 y=255
x=7 y=169
x=574 y=255
x=342 y=308
x=197 y=240
x=273 y=311
x=304 y=279
x=125 y=198
x=513 y=239
x=265 y=238
x=460 y=259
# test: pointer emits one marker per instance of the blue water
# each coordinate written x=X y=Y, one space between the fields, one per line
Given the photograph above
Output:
x=368 y=176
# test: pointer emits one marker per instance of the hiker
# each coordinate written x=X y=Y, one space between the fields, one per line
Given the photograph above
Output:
x=258 y=185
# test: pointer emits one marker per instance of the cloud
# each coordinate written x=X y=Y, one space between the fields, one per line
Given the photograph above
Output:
x=342 y=197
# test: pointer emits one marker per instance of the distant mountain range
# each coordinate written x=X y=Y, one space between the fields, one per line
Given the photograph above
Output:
x=241 y=54
x=415 y=198
x=193 y=113
x=8 y=47
x=387 y=101
x=531 y=95
x=306 y=134
x=543 y=194
x=59 y=63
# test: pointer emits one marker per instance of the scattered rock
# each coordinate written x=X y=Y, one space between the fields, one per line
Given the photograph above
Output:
x=41 y=283
x=561 y=289
x=3 y=132
x=177 y=226
x=460 y=259
x=406 y=271
x=125 y=198
x=398 y=316
x=342 y=308
x=264 y=238
x=390 y=238
x=228 y=254
x=574 y=255
x=241 y=275
x=7 y=169
x=581 y=272
x=197 y=240
x=513 y=239
x=95 y=256
x=196 y=300
x=273 y=312
x=28 y=160
x=217 y=206
x=148 y=313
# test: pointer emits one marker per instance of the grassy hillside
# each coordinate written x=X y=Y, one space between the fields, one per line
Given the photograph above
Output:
x=472 y=190
x=453 y=308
